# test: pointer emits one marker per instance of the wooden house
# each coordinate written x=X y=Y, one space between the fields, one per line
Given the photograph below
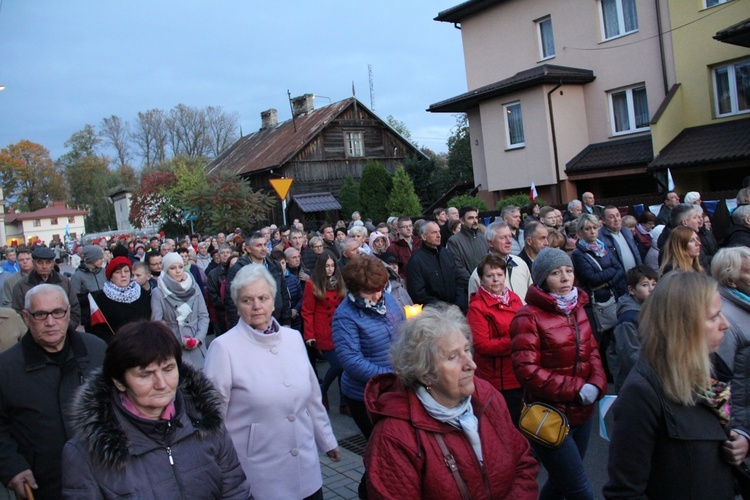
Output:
x=318 y=148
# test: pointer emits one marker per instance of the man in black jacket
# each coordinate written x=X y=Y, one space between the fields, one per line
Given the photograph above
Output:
x=39 y=376
x=256 y=252
x=433 y=275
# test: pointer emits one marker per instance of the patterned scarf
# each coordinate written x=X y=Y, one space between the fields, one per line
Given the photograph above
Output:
x=377 y=307
x=503 y=298
x=123 y=295
x=177 y=294
x=597 y=248
x=332 y=283
x=567 y=302
x=716 y=398
x=461 y=417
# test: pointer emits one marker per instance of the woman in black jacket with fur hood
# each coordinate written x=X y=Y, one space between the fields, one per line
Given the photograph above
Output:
x=150 y=427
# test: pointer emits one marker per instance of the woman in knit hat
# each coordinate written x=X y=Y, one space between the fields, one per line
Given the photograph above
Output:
x=178 y=302
x=121 y=300
x=556 y=360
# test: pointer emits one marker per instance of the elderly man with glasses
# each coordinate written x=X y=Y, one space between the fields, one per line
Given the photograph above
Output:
x=40 y=375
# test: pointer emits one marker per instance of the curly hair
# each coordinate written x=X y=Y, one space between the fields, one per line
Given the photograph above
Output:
x=365 y=274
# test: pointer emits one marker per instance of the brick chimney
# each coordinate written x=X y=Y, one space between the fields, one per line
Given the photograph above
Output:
x=268 y=119
x=302 y=104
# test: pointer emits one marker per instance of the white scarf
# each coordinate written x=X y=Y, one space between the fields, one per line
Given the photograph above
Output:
x=461 y=417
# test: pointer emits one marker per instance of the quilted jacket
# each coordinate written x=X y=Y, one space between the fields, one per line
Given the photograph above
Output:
x=318 y=316
x=363 y=338
x=555 y=354
x=403 y=459
x=489 y=321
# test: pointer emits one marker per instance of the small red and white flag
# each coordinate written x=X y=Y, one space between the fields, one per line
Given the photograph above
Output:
x=532 y=192
x=97 y=317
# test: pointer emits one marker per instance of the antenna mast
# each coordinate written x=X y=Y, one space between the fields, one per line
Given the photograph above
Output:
x=372 y=88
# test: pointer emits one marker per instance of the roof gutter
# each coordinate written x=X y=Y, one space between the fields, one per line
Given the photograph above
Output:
x=554 y=141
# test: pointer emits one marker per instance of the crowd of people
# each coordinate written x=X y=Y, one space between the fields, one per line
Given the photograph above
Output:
x=164 y=367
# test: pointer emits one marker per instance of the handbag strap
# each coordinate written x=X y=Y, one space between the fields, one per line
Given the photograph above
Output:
x=603 y=285
x=450 y=462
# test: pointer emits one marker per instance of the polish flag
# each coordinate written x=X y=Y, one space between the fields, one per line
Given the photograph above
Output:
x=532 y=193
x=97 y=317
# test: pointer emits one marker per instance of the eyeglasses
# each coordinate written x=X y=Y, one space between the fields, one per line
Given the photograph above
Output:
x=316 y=246
x=42 y=315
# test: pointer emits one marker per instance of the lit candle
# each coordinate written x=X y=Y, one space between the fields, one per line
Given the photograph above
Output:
x=413 y=311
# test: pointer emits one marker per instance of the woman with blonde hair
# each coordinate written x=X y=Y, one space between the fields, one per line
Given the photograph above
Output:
x=682 y=251
x=671 y=437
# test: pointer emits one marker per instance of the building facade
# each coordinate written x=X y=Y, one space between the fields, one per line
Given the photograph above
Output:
x=53 y=223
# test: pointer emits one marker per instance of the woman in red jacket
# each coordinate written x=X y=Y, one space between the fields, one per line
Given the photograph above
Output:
x=433 y=406
x=491 y=309
x=556 y=360
x=323 y=294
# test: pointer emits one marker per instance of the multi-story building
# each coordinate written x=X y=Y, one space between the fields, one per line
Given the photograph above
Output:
x=562 y=94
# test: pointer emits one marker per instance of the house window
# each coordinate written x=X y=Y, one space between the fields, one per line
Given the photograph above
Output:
x=629 y=110
x=732 y=88
x=37 y=223
x=53 y=221
x=514 y=125
x=618 y=18
x=72 y=219
x=714 y=3
x=546 y=41
x=354 y=144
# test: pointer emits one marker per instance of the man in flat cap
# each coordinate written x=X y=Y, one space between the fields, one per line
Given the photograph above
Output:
x=44 y=272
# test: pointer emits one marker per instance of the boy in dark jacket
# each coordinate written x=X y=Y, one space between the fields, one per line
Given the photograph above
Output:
x=622 y=352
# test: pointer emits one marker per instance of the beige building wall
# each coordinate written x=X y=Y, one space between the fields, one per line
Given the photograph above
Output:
x=503 y=40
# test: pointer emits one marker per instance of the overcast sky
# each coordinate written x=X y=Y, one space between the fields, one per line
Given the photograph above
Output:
x=69 y=63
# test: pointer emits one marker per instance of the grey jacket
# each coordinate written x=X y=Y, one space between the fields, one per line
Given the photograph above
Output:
x=735 y=351
x=34 y=400
x=116 y=454
x=468 y=247
x=196 y=325
x=84 y=280
x=622 y=352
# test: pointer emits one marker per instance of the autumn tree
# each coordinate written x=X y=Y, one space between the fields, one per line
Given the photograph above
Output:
x=89 y=178
x=349 y=197
x=375 y=187
x=149 y=206
x=29 y=176
x=403 y=201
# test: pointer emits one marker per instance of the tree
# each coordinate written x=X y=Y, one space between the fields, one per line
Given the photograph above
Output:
x=89 y=178
x=459 y=169
x=29 y=176
x=227 y=201
x=221 y=130
x=150 y=137
x=116 y=133
x=349 y=197
x=403 y=200
x=375 y=188
x=149 y=205
x=186 y=129
x=465 y=200
x=421 y=172
x=401 y=128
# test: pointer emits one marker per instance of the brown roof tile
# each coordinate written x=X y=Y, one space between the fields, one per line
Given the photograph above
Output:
x=44 y=213
x=316 y=202
x=629 y=152
x=715 y=143
x=538 y=75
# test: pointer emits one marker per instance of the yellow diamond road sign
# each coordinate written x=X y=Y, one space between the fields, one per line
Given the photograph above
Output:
x=281 y=186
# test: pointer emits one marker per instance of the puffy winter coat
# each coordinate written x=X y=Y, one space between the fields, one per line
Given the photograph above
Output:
x=403 y=459
x=116 y=454
x=317 y=316
x=489 y=321
x=735 y=351
x=590 y=275
x=363 y=340
x=555 y=354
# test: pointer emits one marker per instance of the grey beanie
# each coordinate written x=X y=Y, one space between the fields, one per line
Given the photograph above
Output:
x=547 y=261
x=92 y=253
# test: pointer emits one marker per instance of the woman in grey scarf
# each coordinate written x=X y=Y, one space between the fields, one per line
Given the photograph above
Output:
x=178 y=302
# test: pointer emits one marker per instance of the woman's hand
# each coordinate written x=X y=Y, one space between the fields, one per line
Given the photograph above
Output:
x=735 y=448
x=334 y=454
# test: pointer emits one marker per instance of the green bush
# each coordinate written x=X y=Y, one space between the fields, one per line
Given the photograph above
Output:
x=518 y=199
x=403 y=201
x=465 y=200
